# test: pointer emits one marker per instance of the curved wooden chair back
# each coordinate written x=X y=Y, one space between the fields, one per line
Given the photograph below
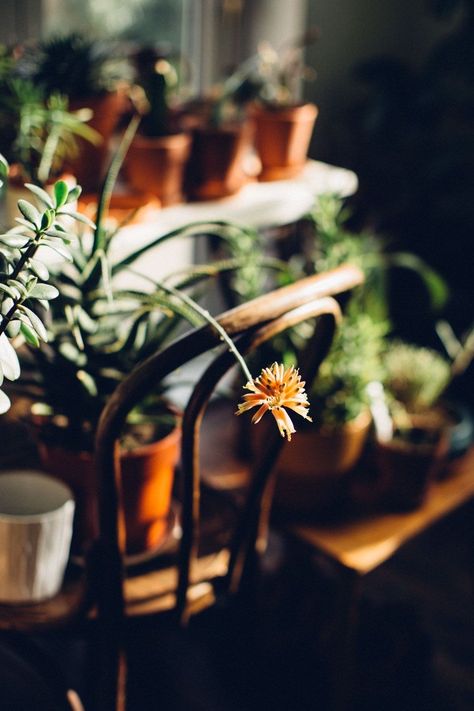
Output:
x=250 y=325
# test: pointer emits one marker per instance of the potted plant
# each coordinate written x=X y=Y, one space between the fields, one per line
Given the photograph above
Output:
x=425 y=427
x=222 y=138
x=313 y=475
x=314 y=479
x=38 y=133
x=24 y=275
x=98 y=332
x=412 y=451
x=283 y=123
x=157 y=158
x=89 y=72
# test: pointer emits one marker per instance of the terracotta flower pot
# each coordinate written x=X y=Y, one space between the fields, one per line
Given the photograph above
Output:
x=217 y=163
x=157 y=165
x=311 y=469
x=282 y=137
x=147 y=482
x=406 y=470
x=90 y=164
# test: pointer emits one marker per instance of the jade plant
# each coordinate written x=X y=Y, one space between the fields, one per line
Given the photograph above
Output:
x=25 y=291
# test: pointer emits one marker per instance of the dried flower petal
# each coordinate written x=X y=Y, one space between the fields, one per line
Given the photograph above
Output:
x=275 y=389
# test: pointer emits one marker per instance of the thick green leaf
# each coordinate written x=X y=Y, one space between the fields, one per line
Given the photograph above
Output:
x=88 y=381
x=29 y=335
x=71 y=353
x=38 y=268
x=16 y=241
x=47 y=219
x=36 y=322
x=13 y=329
x=79 y=217
x=61 y=192
x=44 y=291
x=74 y=193
x=3 y=167
x=59 y=248
x=29 y=212
x=24 y=223
x=40 y=194
x=8 y=290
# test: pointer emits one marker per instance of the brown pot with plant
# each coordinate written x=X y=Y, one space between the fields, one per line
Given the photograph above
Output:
x=283 y=123
x=220 y=163
x=39 y=135
x=157 y=158
x=92 y=75
x=422 y=426
x=315 y=474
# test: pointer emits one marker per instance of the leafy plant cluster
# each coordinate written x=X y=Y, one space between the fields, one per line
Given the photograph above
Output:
x=24 y=275
x=414 y=376
x=37 y=130
x=75 y=65
x=99 y=329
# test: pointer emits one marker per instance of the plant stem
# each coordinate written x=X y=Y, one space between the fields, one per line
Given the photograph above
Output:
x=215 y=324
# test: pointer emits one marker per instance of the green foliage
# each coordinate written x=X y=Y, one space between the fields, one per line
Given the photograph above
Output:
x=23 y=273
x=272 y=76
x=339 y=394
x=155 y=93
x=37 y=131
x=414 y=376
x=99 y=329
x=76 y=66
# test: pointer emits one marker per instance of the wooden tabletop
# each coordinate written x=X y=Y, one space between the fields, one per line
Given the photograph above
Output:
x=359 y=541
x=364 y=543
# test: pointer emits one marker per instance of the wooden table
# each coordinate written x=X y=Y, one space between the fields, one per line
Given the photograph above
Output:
x=356 y=544
x=364 y=543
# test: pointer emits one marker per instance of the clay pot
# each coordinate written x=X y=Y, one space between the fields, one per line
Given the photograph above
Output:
x=311 y=471
x=282 y=137
x=217 y=163
x=147 y=482
x=157 y=165
x=90 y=164
x=405 y=470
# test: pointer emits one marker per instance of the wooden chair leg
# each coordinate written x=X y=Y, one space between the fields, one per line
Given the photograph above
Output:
x=343 y=656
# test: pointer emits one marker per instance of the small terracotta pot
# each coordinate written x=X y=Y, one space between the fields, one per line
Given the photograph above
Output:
x=147 y=482
x=405 y=468
x=311 y=470
x=217 y=163
x=157 y=165
x=90 y=164
x=282 y=137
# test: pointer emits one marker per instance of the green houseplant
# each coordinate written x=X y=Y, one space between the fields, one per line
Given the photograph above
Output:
x=38 y=131
x=222 y=137
x=341 y=394
x=23 y=274
x=98 y=332
x=90 y=73
x=158 y=155
x=283 y=122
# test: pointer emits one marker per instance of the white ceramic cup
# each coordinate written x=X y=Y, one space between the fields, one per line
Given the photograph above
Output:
x=36 y=516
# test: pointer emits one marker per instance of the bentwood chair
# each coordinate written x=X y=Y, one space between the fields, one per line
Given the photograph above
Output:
x=204 y=573
x=99 y=599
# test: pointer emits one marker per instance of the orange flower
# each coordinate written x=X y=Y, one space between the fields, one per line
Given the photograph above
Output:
x=275 y=389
